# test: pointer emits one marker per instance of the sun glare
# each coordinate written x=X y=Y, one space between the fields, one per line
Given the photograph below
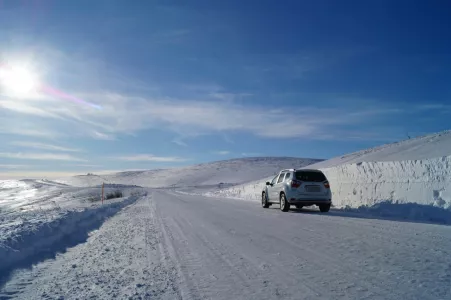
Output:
x=18 y=81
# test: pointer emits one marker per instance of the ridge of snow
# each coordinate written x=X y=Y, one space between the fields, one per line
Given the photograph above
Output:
x=411 y=171
x=424 y=147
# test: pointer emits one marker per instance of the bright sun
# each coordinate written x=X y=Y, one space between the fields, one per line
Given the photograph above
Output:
x=18 y=81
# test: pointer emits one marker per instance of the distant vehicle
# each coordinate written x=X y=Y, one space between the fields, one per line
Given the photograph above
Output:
x=300 y=188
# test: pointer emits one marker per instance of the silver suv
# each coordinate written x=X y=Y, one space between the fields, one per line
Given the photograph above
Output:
x=299 y=188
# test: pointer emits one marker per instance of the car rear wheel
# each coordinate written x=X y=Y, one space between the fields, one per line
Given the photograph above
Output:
x=264 y=201
x=284 y=205
x=324 y=207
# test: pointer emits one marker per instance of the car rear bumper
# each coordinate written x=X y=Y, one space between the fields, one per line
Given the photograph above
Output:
x=309 y=201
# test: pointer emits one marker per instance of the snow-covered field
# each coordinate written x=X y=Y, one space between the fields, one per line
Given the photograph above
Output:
x=39 y=218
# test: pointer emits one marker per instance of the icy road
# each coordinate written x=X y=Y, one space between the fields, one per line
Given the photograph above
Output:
x=174 y=246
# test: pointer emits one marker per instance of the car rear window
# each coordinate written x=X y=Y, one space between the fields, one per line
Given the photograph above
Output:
x=310 y=176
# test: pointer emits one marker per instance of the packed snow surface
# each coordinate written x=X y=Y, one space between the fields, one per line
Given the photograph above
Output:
x=172 y=246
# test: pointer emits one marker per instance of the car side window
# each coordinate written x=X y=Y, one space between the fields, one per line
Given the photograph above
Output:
x=274 y=180
x=287 y=176
x=281 y=176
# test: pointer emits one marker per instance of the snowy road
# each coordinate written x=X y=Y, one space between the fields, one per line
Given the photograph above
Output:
x=173 y=246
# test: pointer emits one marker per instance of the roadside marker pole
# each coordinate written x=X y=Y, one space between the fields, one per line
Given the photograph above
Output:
x=103 y=186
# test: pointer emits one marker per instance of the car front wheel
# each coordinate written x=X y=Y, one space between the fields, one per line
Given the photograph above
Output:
x=264 y=201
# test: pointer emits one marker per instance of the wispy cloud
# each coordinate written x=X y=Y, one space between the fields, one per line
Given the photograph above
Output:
x=251 y=154
x=24 y=108
x=85 y=165
x=179 y=142
x=43 y=146
x=150 y=157
x=222 y=152
x=39 y=133
x=8 y=166
x=34 y=174
x=102 y=136
x=227 y=139
x=40 y=156
x=122 y=114
x=230 y=96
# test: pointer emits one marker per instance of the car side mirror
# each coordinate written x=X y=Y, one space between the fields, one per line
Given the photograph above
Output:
x=268 y=183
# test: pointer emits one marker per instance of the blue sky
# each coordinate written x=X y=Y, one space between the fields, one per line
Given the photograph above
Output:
x=170 y=83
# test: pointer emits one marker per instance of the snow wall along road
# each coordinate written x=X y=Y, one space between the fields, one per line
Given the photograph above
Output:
x=426 y=181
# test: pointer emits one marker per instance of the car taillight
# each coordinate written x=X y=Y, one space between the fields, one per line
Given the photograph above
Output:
x=327 y=185
x=295 y=183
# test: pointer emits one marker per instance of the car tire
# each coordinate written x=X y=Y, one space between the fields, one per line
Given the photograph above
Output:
x=265 y=203
x=324 y=207
x=284 y=205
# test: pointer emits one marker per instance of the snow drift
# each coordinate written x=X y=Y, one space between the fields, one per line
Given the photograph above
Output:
x=411 y=171
x=39 y=218
x=35 y=240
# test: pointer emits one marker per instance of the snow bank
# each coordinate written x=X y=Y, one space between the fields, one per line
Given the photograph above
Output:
x=425 y=181
x=411 y=171
x=403 y=172
x=39 y=235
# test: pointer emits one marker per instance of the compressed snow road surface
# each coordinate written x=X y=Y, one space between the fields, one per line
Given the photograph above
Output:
x=174 y=246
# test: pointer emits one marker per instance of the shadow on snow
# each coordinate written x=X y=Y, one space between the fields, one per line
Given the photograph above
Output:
x=387 y=210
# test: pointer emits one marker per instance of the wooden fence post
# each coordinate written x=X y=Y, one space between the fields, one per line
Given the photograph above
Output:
x=103 y=186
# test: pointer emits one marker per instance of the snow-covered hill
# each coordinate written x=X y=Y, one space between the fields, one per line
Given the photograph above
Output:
x=226 y=172
x=411 y=171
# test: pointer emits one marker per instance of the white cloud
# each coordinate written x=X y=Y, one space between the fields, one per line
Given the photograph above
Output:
x=230 y=96
x=179 y=142
x=222 y=152
x=102 y=136
x=126 y=115
x=40 y=133
x=23 y=107
x=13 y=166
x=43 y=146
x=150 y=157
x=40 y=156
x=251 y=154
x=227 y=139
x=34 y=174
